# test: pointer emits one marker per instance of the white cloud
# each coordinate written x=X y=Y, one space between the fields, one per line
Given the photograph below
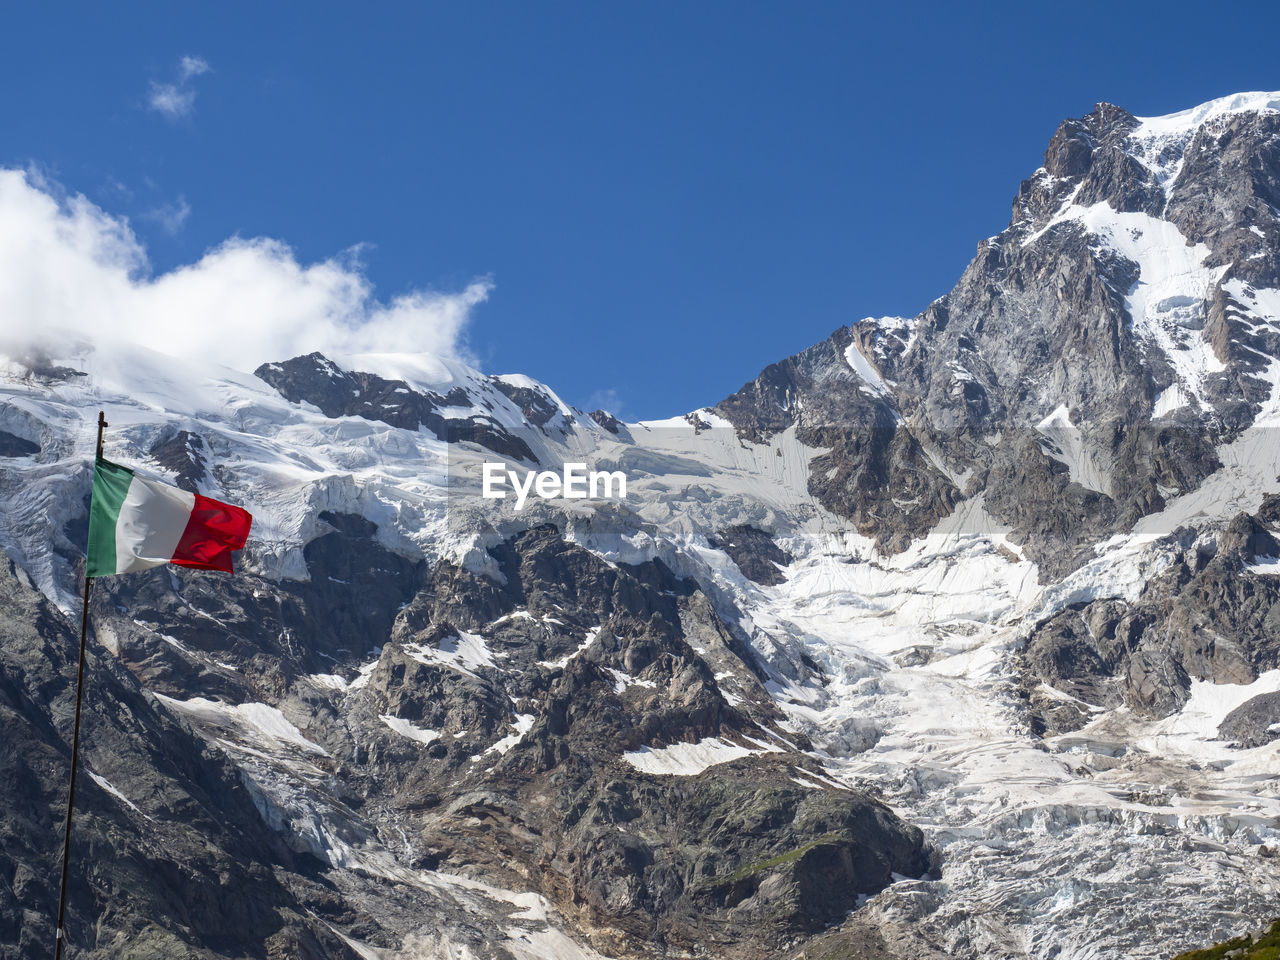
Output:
x=171 y=100
x=67 y=268
x=606 y=400
x=176 y=100
x=189 y=67
x=170 y=216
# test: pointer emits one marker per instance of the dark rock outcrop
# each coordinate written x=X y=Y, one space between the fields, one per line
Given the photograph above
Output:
x=185 y=455
x=169 y=854
x=606 y=420
x=15 y=446
x=875 y=474
x=1206 y=617
x=336 y=392
x=536 y=406
x=1254 y=723
x=755 y=553
x=246 y=637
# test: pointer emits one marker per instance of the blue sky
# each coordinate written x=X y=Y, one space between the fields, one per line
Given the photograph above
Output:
x=667 y=196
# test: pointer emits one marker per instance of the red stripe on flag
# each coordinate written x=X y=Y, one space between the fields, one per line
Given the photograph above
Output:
x=214 y=530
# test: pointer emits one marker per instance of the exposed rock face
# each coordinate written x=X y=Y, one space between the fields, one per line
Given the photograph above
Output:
x=1206 y=617
x=246 y=638
x=339 y=393
x=1254 y=723
x=536 y=406
x=1065 y=654
x=171 y=857
x=1043 y=320
x=39 y=367
x=1227 y=186
x=606 y=420
x=739 y=855
x=186 y=455
x=875 y=474
x=755 y=553
x=14 y=446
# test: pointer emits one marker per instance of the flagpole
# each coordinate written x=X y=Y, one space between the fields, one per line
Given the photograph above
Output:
x=60 y=934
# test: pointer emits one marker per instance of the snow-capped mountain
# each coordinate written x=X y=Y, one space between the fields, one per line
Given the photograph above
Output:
x=952 y=635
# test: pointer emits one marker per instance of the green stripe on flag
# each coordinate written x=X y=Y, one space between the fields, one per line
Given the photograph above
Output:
x=110 y=485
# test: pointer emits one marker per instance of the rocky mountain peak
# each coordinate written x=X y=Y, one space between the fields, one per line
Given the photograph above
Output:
x=1071 y=151
x=1118 y=318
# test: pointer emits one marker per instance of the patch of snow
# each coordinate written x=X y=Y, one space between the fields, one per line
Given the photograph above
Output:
x=407 y=729
x=514 y=615
x=864 y=369
x=686 y=759
x=465 y=653
x=108 y=786
x=564 y=661
x=267 y=723
x=366 y=672
x=621 y=681
x=1171 y=398
x=1197 y=722
x=330 y=681
x=522 y=724
x=1067 y=446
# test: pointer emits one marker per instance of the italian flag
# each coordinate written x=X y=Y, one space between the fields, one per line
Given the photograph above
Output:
x=136 y=523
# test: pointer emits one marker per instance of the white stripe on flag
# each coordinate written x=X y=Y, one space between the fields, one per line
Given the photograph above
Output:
x=151 y=522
